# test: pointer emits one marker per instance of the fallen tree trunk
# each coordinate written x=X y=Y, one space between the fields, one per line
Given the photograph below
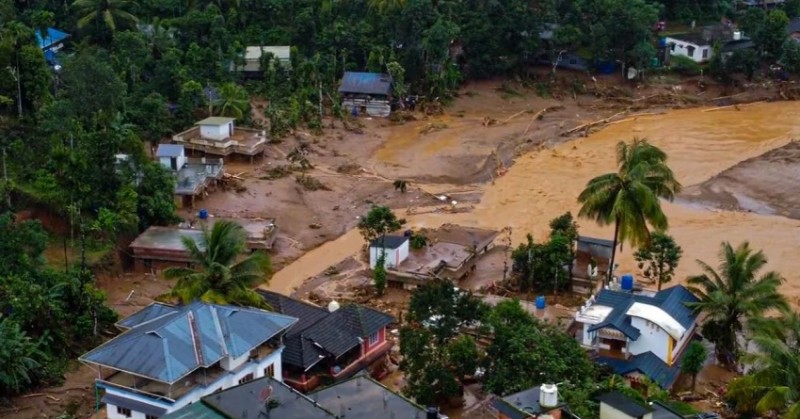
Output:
x=593 y=123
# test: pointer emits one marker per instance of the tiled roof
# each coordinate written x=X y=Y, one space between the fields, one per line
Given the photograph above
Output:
x=173 y=345
x=648 y=364
x=366 y=83
x=319 y=333
x=624 y=404
x=146 y=314
x=391 y=242
x=672 y=300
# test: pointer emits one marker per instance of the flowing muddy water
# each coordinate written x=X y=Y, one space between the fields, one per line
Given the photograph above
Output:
x=544 y=184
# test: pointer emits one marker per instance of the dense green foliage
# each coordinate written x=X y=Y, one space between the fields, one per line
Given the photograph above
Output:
x=773 y=384
x=435 y=353
x=221 y=276
x=542 y=266
x=659 y=258
x=734 y=294
x=46 y=316
x=694 y=360
x=629 y=198
x=379 y=222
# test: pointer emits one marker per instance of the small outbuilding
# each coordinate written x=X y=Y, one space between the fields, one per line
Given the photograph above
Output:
x=369 y=93
x=193 y=176
x=217 y=135
x=394 y=247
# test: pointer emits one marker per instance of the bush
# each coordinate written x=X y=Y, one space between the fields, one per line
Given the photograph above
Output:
x=684 y=66
x=418 y=241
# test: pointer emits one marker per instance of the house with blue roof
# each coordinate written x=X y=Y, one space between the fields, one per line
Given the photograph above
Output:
x=639 y=333
x=172 y=356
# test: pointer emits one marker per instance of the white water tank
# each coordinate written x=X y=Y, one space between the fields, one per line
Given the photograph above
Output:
x=737 y=36
x=548 y=395
x=333 y=306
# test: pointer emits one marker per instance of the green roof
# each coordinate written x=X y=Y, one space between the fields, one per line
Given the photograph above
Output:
x=215 y=120
x=197 y=410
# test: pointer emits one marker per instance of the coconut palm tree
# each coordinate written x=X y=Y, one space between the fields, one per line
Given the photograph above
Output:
x=112 y=13
x=774 y=383
x=629 y=198
x=733 y=294
x=220 y=278
x=233 y=101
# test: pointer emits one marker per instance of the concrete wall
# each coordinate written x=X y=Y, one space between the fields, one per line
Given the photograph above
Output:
x=682 y=49
x=373 y=107
x=257 y=368
x=653 y=339
x=167 y=163
x=216 y=132
x=394 y=257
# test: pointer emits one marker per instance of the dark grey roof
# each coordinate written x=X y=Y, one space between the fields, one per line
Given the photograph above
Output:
x=169 y=150
x=648 y=364
x=244 y=401
x=146 y=408
x=737 y=45
x=624 y=404
x=363 y=397
x=319 y=333
x=195 y=411
x=366 y=83
x=391 y=241
x=661 y=411
x=146 y=314
x=595 y=241
x=672 y=300
x=522 y=405
x=197 y=335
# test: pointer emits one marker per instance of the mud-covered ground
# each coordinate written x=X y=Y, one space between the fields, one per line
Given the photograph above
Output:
x=767 y=184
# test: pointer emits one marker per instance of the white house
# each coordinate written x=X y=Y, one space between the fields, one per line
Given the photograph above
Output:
x=171 y=156
x=216 y=127
x=171 y=356
x=639 y=333
x=699 y=46
x=395 y=249
x=253 y=54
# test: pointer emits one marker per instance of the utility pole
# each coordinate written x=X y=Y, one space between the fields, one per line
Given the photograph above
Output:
x=7 y=190
x=15 y=74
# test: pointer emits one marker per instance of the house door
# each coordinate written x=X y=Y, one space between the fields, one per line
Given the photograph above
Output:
x=616 y=345
x=173 y=163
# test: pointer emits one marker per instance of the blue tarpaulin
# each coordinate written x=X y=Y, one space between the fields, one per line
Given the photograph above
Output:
x=54 y=36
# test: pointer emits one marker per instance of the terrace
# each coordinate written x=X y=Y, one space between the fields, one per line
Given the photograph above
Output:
x=203 y=377
x=197 y=174
x=244 y=141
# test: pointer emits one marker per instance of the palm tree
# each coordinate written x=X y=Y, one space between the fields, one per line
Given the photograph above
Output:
x=112 y=13
x=233 y=101
x=733 y=294
x=774 y=383
x=629 y=198
x=220 y=278
x=384 y=5
x=17 y=358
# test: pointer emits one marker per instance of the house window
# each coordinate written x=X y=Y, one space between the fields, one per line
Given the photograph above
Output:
x=246 y=379
x=270 y=371
x=373 y=339
x=690 y=51
x=124 y=411
x=150 y=417
x=705 y=52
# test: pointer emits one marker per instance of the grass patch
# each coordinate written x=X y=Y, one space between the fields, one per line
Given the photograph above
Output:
x=278 y=172
x=507 y=91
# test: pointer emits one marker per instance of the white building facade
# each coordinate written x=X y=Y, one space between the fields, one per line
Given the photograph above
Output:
x=394 y=248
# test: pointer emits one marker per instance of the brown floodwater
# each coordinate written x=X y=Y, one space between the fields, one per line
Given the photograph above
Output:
x=544 y=184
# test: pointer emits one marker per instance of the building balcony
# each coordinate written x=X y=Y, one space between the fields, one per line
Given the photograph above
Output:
x=162 y=391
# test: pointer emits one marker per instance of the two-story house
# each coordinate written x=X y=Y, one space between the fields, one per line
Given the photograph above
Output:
x=639 y=333
x=329 y=345
x=193 y=175
x=172 y=356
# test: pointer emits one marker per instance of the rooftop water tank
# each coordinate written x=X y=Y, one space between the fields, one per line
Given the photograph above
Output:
x=203 y=214
x=540 y=302
x=737 y=36
x=548 y=395
x=627 y=282
x=333 y=306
